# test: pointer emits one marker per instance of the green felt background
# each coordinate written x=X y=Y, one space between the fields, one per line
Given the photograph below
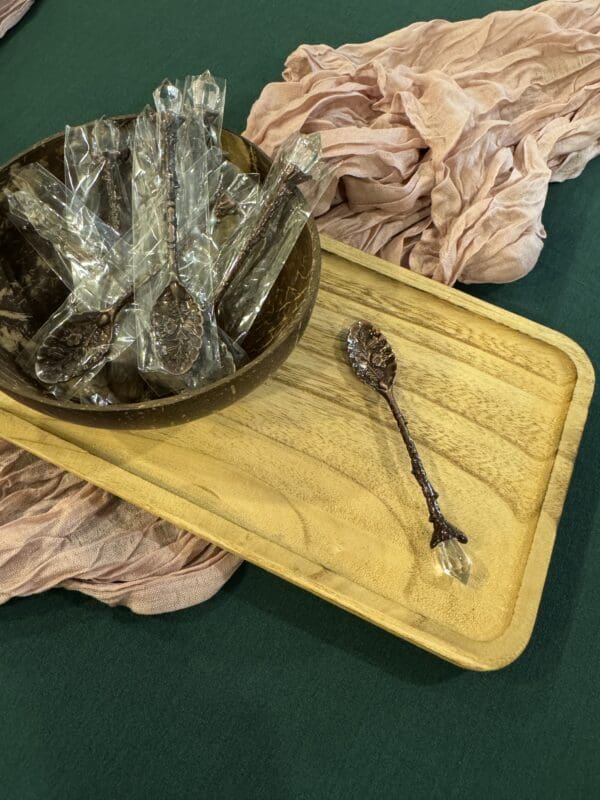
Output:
x=266 y=691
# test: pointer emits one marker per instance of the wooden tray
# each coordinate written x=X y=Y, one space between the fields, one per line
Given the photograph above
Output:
x=307 y=477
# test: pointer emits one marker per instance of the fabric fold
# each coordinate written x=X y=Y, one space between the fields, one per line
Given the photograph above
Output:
x=11 y=11
x=59 y=531
x=445 y=135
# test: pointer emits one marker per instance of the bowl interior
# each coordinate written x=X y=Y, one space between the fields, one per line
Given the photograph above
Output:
x=30 y=291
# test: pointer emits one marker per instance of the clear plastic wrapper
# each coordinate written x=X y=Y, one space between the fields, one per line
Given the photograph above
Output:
x=73 y=346
x=28 y=213
x=98 y=170
x=84 y=245
x=178 y=341
x=124 y=384
x=97 y=391
x=232 y=353
x=234 y=199
x=206 y=95
x=251 y=262
x=117 y=380
x=49 y=260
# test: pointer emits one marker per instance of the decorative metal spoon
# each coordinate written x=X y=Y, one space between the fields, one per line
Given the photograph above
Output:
x=176 y=320
x=84 y=340
x=78 y=345
x=374 y=362
x=291 y=176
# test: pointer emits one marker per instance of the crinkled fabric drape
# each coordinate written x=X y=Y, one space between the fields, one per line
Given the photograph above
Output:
x=59 y=531
x=446 y=135
x=11 y=12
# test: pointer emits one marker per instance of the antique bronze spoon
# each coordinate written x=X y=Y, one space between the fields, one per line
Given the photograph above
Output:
x=291 y=176
x=84 y=340
x=176 y=320
x=374 y=362
x=79 y=345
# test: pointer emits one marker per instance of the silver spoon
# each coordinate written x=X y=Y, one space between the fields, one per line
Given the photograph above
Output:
x=374 y=362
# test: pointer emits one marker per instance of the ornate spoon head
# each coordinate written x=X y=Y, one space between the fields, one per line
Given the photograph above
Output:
x=371 y=356
x=77 y=346
x=177 y=329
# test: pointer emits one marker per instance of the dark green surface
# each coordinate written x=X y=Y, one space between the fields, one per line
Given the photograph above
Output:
x=266 y=691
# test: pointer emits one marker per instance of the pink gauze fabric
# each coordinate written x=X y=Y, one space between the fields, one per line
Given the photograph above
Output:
x=445 y=135
x=11 y=12
x=59 y=531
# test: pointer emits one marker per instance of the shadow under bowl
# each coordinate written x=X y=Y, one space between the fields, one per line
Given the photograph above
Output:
x=30 y=292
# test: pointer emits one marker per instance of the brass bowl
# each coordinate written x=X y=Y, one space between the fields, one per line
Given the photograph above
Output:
x=30 y=292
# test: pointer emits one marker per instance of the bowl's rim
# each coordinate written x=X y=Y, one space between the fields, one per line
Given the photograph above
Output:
x=161 y=402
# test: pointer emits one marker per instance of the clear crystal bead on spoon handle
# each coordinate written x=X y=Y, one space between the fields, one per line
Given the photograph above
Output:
x=374 y=362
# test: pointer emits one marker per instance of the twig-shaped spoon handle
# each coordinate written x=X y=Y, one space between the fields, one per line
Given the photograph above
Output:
x=170 y=124
x=442 y=529
x=289 y=179
x=374 y=362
